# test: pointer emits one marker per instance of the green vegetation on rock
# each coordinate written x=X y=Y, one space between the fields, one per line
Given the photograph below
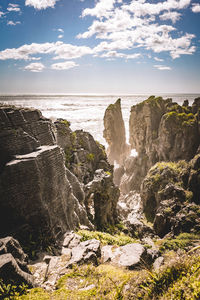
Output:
x=181 y=119
x=119 y=239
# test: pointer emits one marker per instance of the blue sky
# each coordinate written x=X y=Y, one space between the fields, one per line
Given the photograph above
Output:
x=103 y=46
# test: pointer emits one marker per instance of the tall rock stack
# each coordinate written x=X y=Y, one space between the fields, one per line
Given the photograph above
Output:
x=114 y=134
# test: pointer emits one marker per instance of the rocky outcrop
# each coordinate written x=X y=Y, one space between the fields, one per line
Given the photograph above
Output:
x=169 y=199
x=13 y=263
x=114 y=134
x=83 y=155
x=42 y=187
x=162 y=130
x=92 y=179
x=37 y=203
x=101 y=199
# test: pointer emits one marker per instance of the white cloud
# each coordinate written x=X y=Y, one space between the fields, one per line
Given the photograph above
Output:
x=1 y=14
x=40 y=4
x=60 y=36
x=162 y=67
x=171 y=15
x=64 y=65
x=68 y=51
x=134 y=26
x=13 y=23
x=102 y=9
x=143 y=8
x=35 y=67
x=60 y=30
x=195 y=7
x=61 y=50
x=13 y=7
x=115 y=54
x=158 y=59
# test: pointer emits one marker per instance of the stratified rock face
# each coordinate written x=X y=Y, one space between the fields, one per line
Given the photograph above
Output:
x=162 y=130
x=92 y=180
x=101 y=199
x=37 y=202
x=114 y=134
x=22 y=131
x=83 y=155
x=170 y=195
x=13 y=263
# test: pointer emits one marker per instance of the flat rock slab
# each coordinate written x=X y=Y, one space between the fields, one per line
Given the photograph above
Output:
x=128 y=256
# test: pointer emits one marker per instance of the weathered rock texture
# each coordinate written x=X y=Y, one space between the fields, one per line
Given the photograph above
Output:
x=13 y=263
x=92 y=179
x=101 y=199
x=160 y=130
x=170 y=201
x=114 y=134
x=36 y=197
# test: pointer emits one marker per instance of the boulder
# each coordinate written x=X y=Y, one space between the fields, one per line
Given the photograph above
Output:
x=88 y=251
x=13 y=263
x=12 y=246
x=130 y=256
x=11 y=273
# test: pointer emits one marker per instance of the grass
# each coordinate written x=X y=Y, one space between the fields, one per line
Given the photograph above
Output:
x=119 y=239
x=86 y=282
x=182 y=241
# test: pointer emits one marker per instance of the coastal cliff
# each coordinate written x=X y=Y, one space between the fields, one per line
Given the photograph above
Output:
x=95 y=239
x=40 y=199
x=160 y=130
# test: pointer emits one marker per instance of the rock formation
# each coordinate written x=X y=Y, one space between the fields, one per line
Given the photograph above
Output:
x=13 y=263
x=114 y=134
x=40 y=199
x=87 y=160
x=160 y=130
x=170 y=201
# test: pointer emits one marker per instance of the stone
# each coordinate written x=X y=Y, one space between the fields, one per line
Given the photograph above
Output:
x=158 y=263
x=38 y=196
x=11 y=273
x=114 y=134
x=12 y=246
x=101 y=199
x=130 y=256
x=71 y=240
x=87 y=251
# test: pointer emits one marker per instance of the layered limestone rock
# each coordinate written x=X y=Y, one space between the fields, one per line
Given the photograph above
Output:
x=13 y=263
x=114 y=134
x=170 y=201
x=161 y=130
x=37 y=203
x=83 y=155
x=93 y=179
x=101 y=199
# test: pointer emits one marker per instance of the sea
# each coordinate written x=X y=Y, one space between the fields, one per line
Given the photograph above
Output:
x=85 y=111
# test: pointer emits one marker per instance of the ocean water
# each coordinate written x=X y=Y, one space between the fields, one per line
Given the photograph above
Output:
x=84 y=111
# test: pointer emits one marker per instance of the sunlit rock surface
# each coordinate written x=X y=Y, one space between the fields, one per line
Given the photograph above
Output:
x=37 y=203
x=114 y=134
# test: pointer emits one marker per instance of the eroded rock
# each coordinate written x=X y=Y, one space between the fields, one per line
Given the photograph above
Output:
x=114 y=134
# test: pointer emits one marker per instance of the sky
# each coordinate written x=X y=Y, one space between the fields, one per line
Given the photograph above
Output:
x=99 y=47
